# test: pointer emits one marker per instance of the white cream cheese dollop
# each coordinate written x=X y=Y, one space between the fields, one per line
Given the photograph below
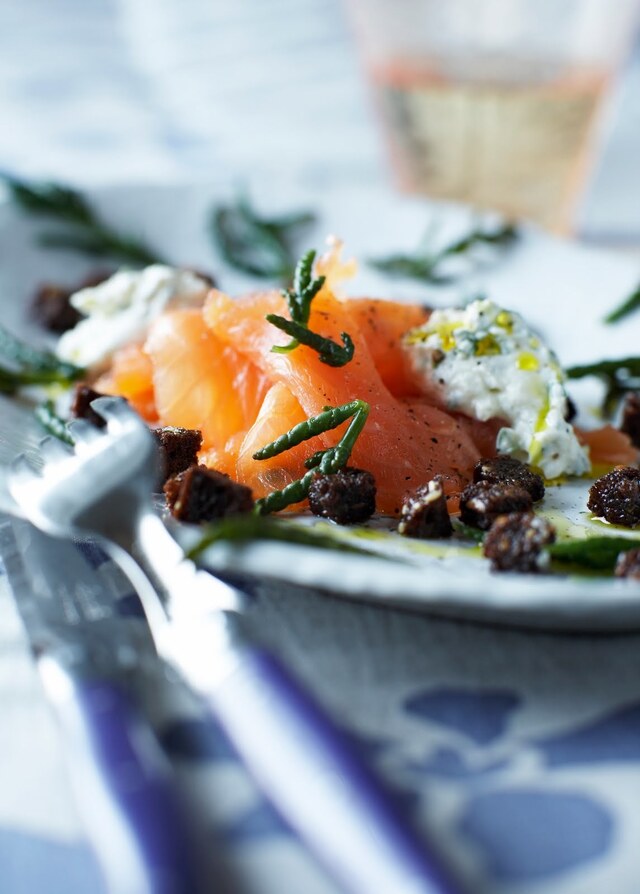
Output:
x=486 y=362
x=120 y=310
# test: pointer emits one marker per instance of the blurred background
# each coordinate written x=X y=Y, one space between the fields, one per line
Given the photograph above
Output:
x=128 y=90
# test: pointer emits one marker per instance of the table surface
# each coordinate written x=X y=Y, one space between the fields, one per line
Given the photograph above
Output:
x=521 y=750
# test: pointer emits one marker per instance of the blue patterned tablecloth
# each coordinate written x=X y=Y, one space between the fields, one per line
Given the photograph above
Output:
x=519 y=752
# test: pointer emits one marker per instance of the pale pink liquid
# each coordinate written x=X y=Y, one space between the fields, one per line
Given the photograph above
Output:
x=519 y=147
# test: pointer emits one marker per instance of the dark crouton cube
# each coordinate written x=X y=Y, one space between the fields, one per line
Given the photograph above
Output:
x=200 y=494
x=616 y=497
x=630 y=424
x=52 y=308
x=81 y=406
x=506 y=468
x=347 y=497
x=424 y=513
x=628 y=564
x=515 y=542
x=178 y=449
x=482 y=502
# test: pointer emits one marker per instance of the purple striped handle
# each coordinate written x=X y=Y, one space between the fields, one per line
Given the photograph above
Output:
x=311 y=774
x=123 y=787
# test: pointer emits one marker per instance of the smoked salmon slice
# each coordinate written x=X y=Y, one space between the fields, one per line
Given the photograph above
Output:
x=608 y=446
x=280 y=411
x=200 y=381
x=131 y=376
x=402 y=444
x=383 y=324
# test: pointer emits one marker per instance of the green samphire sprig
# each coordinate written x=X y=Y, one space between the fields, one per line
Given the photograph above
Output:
x=83 y=230
x=52 y=423
x=427 y=264
x=623 y=310
x=299 y=299
x=618 y=377
x=326 y=461
x=247 y=528
x=22 y=365
x=257 y=245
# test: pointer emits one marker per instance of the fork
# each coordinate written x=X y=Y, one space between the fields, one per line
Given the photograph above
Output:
x=303 y=764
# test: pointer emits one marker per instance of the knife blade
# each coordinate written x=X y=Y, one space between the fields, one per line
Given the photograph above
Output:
x=120 y=777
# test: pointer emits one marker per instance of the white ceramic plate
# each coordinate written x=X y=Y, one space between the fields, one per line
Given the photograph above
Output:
x=561 y=288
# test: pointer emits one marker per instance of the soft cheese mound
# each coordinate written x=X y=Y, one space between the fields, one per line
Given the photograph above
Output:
x=485 y=361
x=119 y=310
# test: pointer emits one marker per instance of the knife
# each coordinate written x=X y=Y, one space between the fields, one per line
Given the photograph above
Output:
x=121 y=779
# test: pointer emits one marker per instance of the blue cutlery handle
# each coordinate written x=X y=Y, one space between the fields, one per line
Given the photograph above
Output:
x=311 y=774
x=123 y=786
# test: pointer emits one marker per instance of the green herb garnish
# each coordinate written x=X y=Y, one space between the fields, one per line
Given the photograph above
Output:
x=590 y=553
x=34 y=359
x=324 y=461
x=593 y=553
x=467 y=532
x=261 y=246
x=243 y=528
x=329 y=351
x=46 y=415
x=618 y=376
x=22 y=365
x=628 y=306
x=299 y=298
x=85 y=231
x=425 y=264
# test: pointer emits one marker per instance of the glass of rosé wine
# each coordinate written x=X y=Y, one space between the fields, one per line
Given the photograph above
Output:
x=497 y=103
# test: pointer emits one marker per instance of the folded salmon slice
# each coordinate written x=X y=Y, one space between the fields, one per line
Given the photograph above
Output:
x=280 y=411
x=403 y=443
x=201 y=381
x=383 y=324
